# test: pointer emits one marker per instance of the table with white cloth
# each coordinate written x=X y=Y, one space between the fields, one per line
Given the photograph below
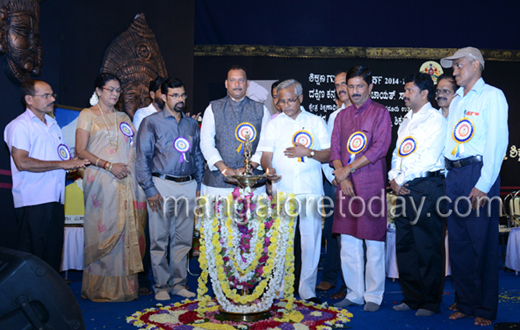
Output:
x=72 y=249
x=391 y=258
x=513 y=250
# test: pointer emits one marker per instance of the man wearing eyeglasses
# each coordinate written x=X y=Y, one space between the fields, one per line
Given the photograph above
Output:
x=446 y=89
x=223 y=129
x=39 y=159
x=294 y=146
x=169 y=168
x=476 y=142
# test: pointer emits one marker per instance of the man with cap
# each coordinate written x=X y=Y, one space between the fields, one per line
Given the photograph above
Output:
x=476 y=142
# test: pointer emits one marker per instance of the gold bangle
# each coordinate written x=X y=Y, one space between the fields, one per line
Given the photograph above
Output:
x=97 y=162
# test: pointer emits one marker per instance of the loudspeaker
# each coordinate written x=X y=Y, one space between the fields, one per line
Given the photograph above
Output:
x=34 y=296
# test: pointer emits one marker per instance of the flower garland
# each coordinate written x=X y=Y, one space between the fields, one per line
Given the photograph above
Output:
x=246 y=248
x=183 y=316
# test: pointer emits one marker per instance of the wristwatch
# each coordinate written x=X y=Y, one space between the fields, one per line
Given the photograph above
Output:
x=352 y=169
x=312 y=154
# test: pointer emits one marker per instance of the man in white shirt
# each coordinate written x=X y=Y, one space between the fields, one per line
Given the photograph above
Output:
x=222 y=134
x=39 y=159
x=156 y=104
x=294 y=146
x=332 y=264
x=476 y=143
x=416 y=175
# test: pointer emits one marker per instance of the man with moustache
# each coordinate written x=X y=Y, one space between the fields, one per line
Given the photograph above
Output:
x=296 y=168
x=417 y=162
x=360 y=141
x=223 y=130
x=446 y=89
x=476 y=142
x=169 y=168
x=39 y=159
x=332 y=264
x=274 y=95
x=156 y=105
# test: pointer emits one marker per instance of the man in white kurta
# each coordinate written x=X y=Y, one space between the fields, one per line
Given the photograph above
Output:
x=294 y=145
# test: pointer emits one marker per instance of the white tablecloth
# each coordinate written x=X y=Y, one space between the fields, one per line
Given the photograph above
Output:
x=72 y=249
x=513 y=250
x=391 y=259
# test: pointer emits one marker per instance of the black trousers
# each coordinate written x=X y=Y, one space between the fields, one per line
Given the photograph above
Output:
x=41 y=230
x=419 y=244
x=474 y=244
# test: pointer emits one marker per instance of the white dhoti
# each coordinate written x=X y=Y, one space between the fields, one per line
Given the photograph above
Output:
x=365 y=283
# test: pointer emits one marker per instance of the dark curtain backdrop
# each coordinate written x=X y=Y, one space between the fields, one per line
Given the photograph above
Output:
x=371 y=23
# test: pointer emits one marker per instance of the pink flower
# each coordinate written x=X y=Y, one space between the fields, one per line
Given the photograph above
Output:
x=236 y=193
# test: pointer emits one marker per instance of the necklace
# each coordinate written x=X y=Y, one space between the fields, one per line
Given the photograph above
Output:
x=108 y=128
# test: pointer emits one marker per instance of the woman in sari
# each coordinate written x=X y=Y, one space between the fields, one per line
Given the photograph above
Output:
x=115 y=205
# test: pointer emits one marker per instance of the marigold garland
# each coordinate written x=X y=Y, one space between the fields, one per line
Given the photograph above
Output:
x=246 y=249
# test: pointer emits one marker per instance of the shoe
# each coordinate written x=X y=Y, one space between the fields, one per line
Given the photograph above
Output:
x=424 y=312
x=144 y=291
x=371 y=307
x=314 y=300
x=185 y=293
x=324 y=286
x=401 y=308
x=162 y=295
x=344 y=303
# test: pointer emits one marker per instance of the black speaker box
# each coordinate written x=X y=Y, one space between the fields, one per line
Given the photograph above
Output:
x=34 y=296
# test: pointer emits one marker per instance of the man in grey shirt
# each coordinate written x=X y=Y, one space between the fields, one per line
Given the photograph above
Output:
x=169 y=168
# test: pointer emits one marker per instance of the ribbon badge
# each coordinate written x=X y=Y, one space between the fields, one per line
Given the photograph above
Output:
x=183 y=146
x=127 y=130
x=240 y=134
x=407 y=147
x=462 y=133
x=356 y=143
x=63 y=152
x=304 y=138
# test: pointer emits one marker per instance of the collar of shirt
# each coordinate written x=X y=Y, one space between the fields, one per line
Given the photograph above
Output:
x=150 y=107
x=48 y=119
x=301 y=115
x=363 y=107
x=237 y=101
x=477 y=88
x=422 y=111
x=165 y=113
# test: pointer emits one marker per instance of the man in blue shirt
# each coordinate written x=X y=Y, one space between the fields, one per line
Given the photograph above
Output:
x=476 y=142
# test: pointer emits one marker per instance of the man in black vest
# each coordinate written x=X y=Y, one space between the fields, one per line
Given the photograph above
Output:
x=224 y=127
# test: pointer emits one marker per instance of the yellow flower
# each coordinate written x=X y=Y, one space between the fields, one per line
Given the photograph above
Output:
x=215 y=326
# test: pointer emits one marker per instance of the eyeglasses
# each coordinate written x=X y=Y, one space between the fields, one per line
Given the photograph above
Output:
x=443 y=91
x=288 y=102
x=112 y=89
x=47 y=96
x=178 y=96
